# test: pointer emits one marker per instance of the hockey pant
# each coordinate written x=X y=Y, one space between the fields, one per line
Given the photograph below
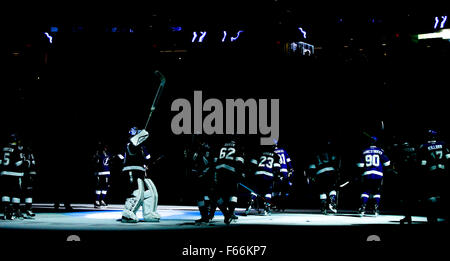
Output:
x=11 y=190
x=326 y=186
x=281 y=192
x=264 y=187
x=205 y=200
x=371 y=186
x=144 y=195
x=227 y=189
x=27 y=190
x=101 y=186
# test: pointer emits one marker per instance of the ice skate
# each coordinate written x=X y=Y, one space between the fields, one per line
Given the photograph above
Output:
x=376 y=210
x=28 y=214
x=362 y=210
x=202 y=221
x=18 y=215
x=332 y=207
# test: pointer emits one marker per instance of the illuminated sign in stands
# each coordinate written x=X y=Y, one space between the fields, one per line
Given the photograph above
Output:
x=299 y=48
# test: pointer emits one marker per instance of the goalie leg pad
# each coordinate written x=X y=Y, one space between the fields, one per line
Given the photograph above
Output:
x=147 y=207
x=133 y=203
x=129 y=217
x=151 y=186
x=150 y=202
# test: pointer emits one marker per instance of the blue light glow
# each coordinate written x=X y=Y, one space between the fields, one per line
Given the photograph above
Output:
x=195 y=36
x=176 y=28
x=203 y=34
x=50 y=38
x=54 y=29
x=443 y=21
x=237 y=36
x=303 y=32
x=436 y=19
x=224 y=36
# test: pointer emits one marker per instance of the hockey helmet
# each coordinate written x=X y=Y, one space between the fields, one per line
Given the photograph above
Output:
x=432 y=134
x=13 y=138
x=373 y=140
x=275 y=144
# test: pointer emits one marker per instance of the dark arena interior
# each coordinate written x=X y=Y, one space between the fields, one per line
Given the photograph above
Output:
x=79 y=75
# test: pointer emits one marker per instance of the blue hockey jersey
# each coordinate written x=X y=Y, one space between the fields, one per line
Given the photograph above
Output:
x=372 y=162
x=135 y=158
x=285 y=162
x=102 y=160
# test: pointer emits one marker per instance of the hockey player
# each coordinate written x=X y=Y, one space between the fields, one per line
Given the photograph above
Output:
x=267 y=169
x=324 y=171
x=228 y=164
x=142 y=190
x=373 y=163
x=404 y=157
x=283 y=183
x=200 y=162
x=28 y=181
x=101 y=159
x=433 y=157
x=11 y=173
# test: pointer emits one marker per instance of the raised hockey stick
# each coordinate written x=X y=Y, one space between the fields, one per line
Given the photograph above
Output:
x=143 y=135
x=367 y=134
x=158 y=94
x=381 y=128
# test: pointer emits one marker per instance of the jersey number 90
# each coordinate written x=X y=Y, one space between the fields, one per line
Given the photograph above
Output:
x=372 y=160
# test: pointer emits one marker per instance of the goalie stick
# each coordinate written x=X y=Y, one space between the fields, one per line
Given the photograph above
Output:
x=158 y=94
x=143 y=135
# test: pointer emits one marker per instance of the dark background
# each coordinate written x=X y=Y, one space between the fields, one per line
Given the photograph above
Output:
x=92 y=83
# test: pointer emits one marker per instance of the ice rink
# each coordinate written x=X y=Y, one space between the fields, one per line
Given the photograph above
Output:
x=282 y=233
x=85 y=217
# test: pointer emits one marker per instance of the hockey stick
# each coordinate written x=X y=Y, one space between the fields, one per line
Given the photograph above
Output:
x=367 y=134
x=143 y=135
x=253 y=192
x=158 y=94
x=344 y=184
x=382 y=127
x=158 y=159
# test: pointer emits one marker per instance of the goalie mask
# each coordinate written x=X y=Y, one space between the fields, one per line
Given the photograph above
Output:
x=137 y=136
